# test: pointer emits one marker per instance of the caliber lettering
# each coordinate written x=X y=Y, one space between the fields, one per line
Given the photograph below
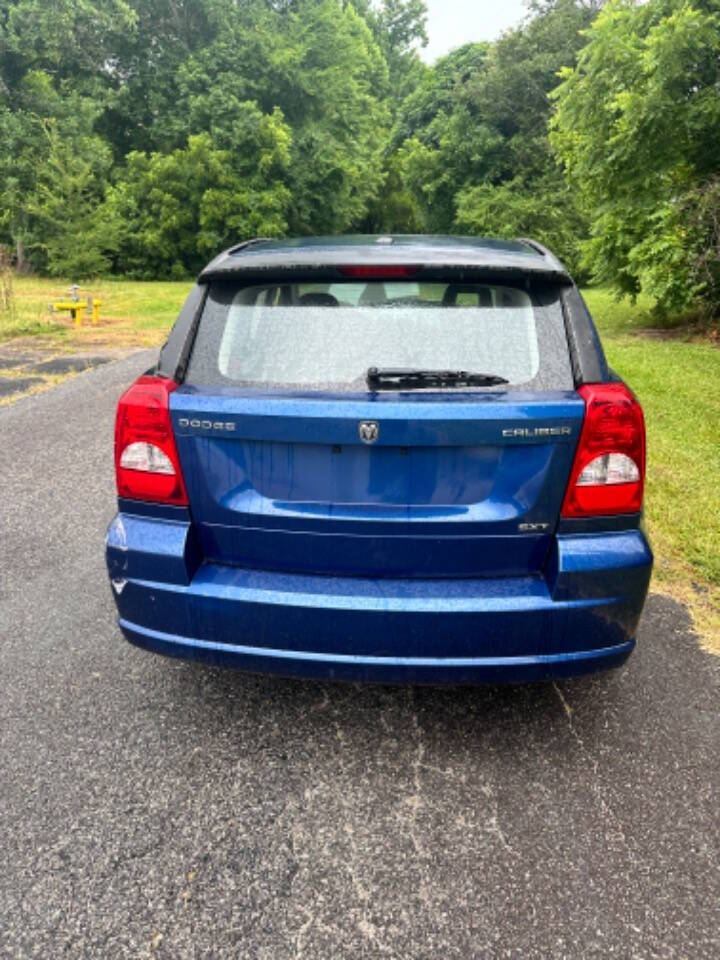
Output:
x=537 y=432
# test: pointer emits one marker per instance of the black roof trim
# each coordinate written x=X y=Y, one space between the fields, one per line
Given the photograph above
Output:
x=586 y=352
x=175 y=351
x=248 y=243
x=544 y=251
x=260 y=257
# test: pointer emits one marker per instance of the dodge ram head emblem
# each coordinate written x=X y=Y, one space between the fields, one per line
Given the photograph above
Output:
x=368 y=430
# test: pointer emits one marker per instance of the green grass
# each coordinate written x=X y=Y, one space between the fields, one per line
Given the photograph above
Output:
x=133 y=313
x=677 y=382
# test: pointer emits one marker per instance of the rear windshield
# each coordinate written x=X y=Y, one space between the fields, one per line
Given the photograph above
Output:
x=327 y=336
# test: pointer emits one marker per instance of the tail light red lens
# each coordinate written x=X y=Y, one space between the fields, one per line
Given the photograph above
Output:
x=608 y=474
x=147 y=465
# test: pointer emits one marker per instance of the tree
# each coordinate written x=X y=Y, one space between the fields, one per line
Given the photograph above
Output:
x=637 y=128
x=399 y=27
x=541 y=209
x=55 y=65
x=318 y=62
x=472 y=139
x=179 y=209
x=33 y=121
x=302 y=79
x=71 y=39
x=17 y=178
x=70 y=236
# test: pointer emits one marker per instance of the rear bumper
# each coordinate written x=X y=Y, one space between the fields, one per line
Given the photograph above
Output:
x=580 y=615
x=396 y=669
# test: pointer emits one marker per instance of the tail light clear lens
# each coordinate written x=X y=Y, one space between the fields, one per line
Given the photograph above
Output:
x=147 y=465
x=609 y=468
x=608 y=473
x=147 y=457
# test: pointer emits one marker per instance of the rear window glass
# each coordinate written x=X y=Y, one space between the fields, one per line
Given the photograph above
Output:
x=327 y=336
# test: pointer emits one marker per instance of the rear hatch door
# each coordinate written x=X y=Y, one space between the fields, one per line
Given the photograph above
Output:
x=294 y=460
x=468 y=488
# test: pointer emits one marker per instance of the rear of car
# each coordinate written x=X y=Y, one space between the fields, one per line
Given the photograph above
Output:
x=392 y=459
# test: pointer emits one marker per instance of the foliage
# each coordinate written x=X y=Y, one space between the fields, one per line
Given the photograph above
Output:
x=320 y=64
x=399 y=26
x=290 y=101
x=7 y=298
x=542 y=208
x=37 y=106
x=140 y=136
x=637 y=128
x=180 y=208
x=472 y=141
x=72 y=238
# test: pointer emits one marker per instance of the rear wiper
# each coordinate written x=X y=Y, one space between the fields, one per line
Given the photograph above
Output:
x=393 y=378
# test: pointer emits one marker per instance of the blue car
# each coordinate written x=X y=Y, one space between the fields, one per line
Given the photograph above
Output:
x=395 y=459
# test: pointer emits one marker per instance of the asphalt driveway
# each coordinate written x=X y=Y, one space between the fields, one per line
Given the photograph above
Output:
x=150 y=808
x=23 y=369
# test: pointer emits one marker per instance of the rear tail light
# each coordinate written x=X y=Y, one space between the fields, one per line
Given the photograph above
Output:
x=147 y=465
x=608 y=474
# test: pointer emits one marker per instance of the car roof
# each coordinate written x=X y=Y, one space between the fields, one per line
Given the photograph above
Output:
x=263 y=256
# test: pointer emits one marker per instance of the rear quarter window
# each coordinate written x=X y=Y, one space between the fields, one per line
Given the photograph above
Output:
x=314 y=336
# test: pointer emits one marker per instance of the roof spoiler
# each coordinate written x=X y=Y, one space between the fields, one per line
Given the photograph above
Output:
x=259 y=258
x=542 y=249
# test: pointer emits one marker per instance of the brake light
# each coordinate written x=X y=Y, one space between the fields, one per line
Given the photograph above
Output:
x=608 y=474
x=147 y=466
x=391 y=272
